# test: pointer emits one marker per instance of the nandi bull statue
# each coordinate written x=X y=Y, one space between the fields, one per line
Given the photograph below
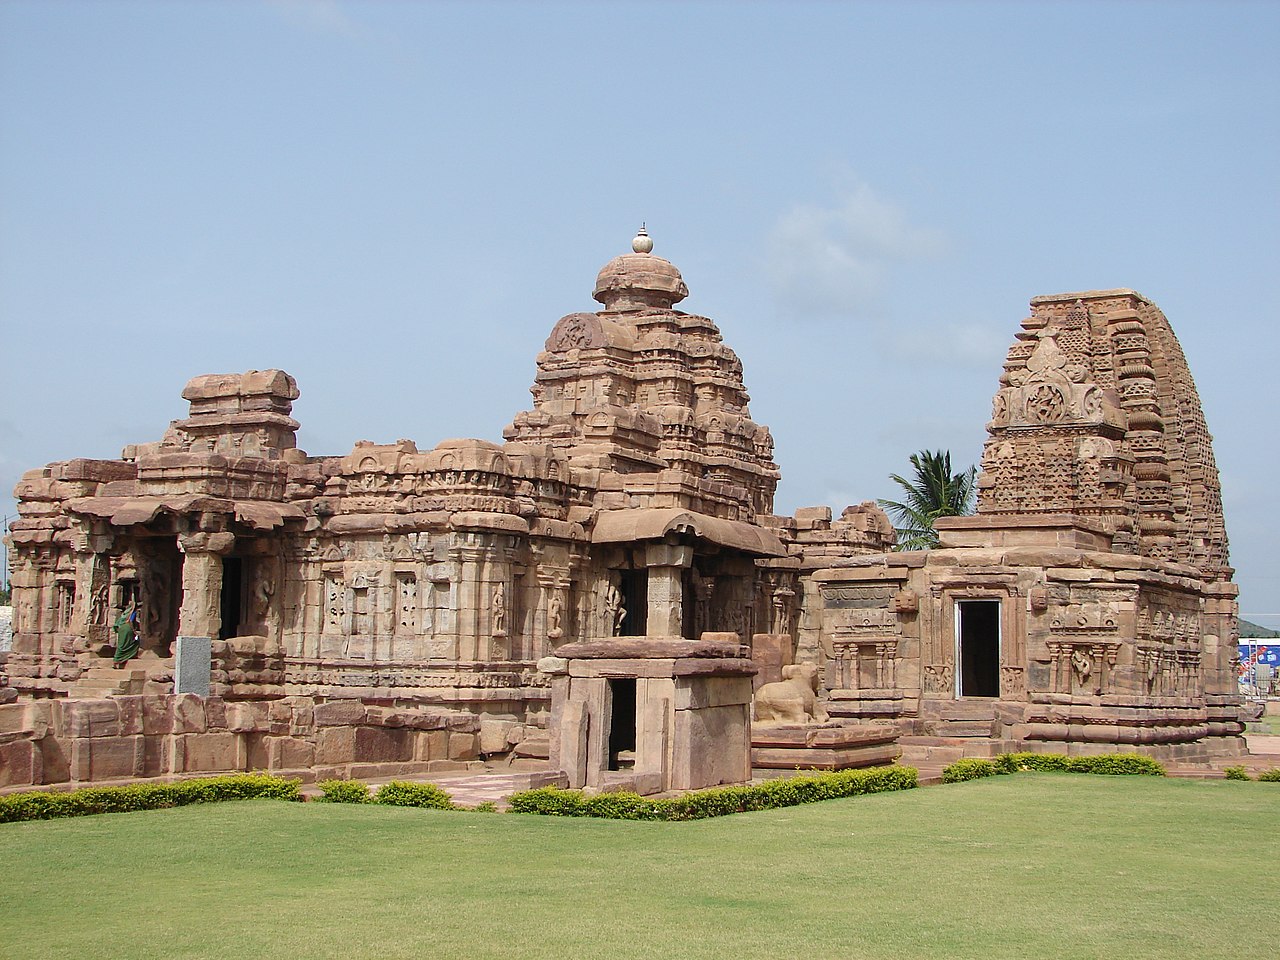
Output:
x=793 y=699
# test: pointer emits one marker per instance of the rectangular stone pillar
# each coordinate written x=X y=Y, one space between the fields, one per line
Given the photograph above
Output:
x=201 y=611
x=666 y=563
x=192 y=665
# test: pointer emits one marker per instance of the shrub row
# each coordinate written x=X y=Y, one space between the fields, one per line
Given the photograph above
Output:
x=1239 y=773
x=716 y=802
x=145 y=796
x=394 y=794
x=1112 y=764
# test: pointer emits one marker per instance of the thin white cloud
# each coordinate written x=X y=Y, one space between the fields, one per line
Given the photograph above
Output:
x=322 y=16
x=832 y=260
x=973 y=345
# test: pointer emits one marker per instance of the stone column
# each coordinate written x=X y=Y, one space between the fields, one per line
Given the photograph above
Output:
x=201 y=612
x=666 y=563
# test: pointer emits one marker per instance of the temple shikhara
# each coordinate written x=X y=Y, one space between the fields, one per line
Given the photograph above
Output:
x=606 y=597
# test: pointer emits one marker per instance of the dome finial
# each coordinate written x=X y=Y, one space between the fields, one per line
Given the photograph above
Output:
x=642 y=243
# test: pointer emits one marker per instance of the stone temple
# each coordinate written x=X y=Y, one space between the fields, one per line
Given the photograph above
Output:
x=607 y=594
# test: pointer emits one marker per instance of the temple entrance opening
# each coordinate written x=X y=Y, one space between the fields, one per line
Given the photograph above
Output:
x=622 y=723
x=688 y=605
x=978 y=648
x=159 y=593
x=232 y=602
x=635 y=600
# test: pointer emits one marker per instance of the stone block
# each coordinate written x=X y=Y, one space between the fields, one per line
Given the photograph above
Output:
x=130 y=715
x=210 y=752
x=431 y=745
x=289 y=753
x=463 y=746
x=495 y=734
x=336 y=745
x=157 y=755
x=54 y=759
x=189 y=714
x=382 y=745
x=92 y=718
x=157 y=715
x=247 y=717
x=569 y=741
x=13 y=718
x=21 y=764
x=770 y=652
x=339 y=713
x=696 y=693
x=711 y=747
x=302 y=719
x=192 y=663
x=114 y=758
x=538 y=748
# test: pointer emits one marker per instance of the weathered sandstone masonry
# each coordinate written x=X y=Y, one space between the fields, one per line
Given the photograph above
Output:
x=475 y=589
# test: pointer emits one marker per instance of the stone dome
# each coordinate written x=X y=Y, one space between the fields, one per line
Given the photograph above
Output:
x=635 y=281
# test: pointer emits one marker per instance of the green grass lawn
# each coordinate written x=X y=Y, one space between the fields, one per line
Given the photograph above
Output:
x=1032 y=865
x=1270 y=725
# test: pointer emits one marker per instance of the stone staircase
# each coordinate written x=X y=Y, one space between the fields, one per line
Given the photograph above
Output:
x=949 y=749
x=962 y=718
x=956 y=729
x=102 y=680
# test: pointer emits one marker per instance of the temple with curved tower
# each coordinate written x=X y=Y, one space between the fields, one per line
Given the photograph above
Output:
x=603 y=594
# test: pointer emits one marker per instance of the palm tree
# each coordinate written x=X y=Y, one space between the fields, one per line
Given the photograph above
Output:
x=934 y=492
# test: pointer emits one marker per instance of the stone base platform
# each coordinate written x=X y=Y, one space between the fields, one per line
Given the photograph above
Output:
x=827 y=746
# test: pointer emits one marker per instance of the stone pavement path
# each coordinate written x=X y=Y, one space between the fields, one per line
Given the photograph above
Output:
x=468 y=789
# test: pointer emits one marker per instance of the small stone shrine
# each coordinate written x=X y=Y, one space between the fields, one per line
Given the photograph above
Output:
x=608 y=589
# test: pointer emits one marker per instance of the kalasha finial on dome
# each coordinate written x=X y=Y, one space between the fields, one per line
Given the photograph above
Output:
x=639 y=280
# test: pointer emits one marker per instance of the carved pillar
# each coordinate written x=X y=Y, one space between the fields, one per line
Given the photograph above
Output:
x=472 y=598
x=666 y=563
x=201 y=611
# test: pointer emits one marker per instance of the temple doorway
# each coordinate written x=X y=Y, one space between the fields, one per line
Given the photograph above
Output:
x=978 y=648
x=622 y=723
x=635 y=601
x=159 y=593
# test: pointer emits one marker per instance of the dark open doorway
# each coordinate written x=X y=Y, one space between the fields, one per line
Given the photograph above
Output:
x=978 y=639
x=622 y=723
x=688 y=606
x=635 y=600
x=232 y=596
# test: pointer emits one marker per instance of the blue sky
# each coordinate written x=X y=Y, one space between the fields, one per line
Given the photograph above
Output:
x=395 y=202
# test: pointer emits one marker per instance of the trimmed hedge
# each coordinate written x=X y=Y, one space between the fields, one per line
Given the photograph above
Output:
x=1270 y=776
x=1107 y=764
x=718 y=801
x=400 y=794
x=343 y=791
x=1236 y=773
x=970 y=768
x=146 y=796
x=395 y=794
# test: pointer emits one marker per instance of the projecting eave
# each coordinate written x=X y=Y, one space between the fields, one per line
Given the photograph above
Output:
x=626 y=526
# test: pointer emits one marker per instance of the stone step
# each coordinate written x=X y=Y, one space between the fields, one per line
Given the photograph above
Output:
x=933 y=756
x=99 y=682
x=966 y=710
x=962 y=728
